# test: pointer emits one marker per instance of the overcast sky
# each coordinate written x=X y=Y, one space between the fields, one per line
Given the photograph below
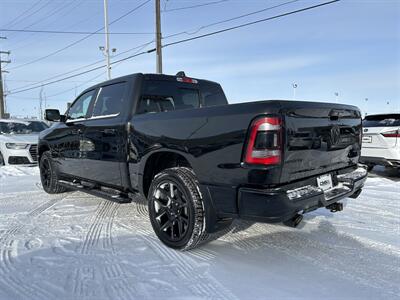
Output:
x=351 y=48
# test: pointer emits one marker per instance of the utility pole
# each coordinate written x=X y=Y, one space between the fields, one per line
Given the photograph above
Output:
x=107 y=34
x=158 y=38
x=294 y=85
x=337 y=97
x=41 y=104
x=2 y=106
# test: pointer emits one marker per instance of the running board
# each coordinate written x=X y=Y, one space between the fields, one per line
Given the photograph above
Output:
x=105 y=193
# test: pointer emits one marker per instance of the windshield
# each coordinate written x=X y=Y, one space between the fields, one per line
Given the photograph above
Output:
x=22 y=127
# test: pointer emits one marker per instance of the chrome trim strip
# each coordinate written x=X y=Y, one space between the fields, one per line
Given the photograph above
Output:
x=76 y=120
x=103 y=117
x=93 y=118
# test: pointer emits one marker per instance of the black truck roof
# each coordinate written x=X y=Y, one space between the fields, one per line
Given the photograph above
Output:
x=149 y=76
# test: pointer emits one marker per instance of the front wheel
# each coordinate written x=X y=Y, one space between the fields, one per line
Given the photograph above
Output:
x=49 y=175
x=176 y=209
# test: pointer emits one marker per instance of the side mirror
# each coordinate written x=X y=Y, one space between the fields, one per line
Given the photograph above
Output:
x=53 y=115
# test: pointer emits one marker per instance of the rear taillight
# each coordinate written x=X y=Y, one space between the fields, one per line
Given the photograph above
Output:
x=392 y=134
x=264 y=143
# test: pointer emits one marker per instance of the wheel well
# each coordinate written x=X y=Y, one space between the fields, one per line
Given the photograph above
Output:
x=41 y=150
x=158 y=162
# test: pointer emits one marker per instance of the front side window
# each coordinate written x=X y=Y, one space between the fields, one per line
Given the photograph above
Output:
x=110 y=100
x=80 y=108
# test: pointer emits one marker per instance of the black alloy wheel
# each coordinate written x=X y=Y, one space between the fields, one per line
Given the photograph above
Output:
x=49 y=175
x=45 y=173
x=171 y=211
x=176 y=209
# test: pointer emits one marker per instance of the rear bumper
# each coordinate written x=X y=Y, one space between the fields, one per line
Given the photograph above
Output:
x=380 y=161
x=281 y=204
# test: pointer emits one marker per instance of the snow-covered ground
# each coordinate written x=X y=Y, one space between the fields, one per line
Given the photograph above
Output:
x=76 y=246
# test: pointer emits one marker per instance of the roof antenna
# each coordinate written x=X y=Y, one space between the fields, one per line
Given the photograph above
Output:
x=181 y=74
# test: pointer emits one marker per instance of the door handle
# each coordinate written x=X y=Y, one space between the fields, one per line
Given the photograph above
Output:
x=109 y=131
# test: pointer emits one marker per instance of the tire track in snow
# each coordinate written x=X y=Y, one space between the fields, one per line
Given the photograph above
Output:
x=108 y=239
x=100 y=229
x=202 y=285
x=23 y=289
x=141 y=207
x=202 y=254
x=103 y=218
x=239 y=233
x=356 y=264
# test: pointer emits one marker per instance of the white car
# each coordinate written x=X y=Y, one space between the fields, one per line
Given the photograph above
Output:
x=18 y=141
x=381 y=140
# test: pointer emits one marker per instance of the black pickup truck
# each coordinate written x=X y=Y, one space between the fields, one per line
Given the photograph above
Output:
x=200 y=162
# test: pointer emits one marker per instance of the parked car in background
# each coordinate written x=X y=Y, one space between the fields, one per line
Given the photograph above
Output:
x=18 y=141
x=381 y=140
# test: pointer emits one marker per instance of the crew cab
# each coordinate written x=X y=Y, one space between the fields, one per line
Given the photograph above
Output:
x=198 y=161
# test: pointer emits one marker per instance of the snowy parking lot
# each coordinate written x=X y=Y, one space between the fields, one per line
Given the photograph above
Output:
x=77 y=246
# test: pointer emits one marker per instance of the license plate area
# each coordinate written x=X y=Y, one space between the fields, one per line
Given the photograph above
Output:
x=324 y=182
x=367 y=139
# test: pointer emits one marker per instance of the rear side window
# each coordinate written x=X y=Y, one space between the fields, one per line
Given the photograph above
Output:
x=213 y=95
x=110 y=100
x=382 y=120
x=161 y=96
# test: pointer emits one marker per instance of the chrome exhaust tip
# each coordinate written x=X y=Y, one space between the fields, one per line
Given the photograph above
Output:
x=295 y=221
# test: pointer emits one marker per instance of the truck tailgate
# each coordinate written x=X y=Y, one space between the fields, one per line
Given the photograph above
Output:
x=319 y=138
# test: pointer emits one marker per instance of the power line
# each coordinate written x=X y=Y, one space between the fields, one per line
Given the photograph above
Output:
x=79 y=85
x=82 y=73
x=194 y=6
x=82 y=83
x=184 y=41
x=80 y=40
x=139 y=48
x=75 y=24
x=172 y=35
x=45 y=17
x=231 y=19
x=50 y=14
x=250 y=23
x=16 y=21
x=69 y=32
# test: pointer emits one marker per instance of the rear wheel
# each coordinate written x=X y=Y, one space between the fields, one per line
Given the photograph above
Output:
x=176 y=209
x=49 y=175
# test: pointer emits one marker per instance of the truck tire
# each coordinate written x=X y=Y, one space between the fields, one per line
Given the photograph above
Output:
x=49 y=175
x=176 y=209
